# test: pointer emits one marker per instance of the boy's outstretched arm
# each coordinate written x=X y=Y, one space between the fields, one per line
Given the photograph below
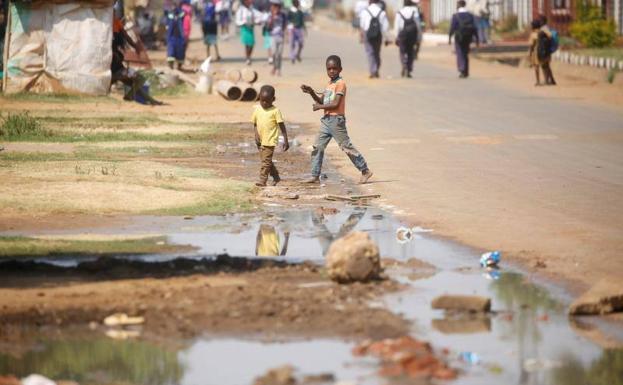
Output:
x=329 y=106
x=286 y=144
x=308 y=90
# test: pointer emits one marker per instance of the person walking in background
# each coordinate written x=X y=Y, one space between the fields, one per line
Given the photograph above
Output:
x=176 y=44
x=374 y=27
x=209 y=26
x=187 y=22
x=246 y=18
x=297 y=30
x=408 y=32
x=540 y=52
x=463 y=28
x=277 y=24
x=223 y=8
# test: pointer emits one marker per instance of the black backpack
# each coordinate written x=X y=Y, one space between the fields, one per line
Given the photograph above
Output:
x=544 y=46
x=374 y=30
x=409 y=32
x=466 y=30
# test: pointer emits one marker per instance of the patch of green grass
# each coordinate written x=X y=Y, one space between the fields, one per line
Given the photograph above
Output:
x=59 y=98
x=178 y=90
x=232 y=200
x=25 y=246
x=21 y=125
x=7 y=158
x=117 y=121
x=76 y=136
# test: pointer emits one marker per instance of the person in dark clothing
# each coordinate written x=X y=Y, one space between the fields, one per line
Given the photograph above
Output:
x=176 y=42
x=463 y=28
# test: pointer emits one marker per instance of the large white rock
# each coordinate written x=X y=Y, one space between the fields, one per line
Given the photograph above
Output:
x=353 y=257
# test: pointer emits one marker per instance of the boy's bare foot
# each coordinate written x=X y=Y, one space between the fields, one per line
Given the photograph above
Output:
x=260 y=184
x=275 y=181
x=312 y=180
x=365 y=176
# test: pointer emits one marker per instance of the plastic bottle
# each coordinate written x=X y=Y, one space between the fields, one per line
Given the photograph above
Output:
x=469 y=357
x=490 y=259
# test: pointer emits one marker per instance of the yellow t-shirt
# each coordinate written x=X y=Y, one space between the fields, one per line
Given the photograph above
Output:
x=267 y=122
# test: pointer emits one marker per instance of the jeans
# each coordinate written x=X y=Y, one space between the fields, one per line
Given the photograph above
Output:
x=296 y=43
x=407 y=54
x=462 y=57
x=334 y=126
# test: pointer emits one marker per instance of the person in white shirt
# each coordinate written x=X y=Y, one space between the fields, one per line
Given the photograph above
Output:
x=246 y=18
x=374 y=26
x=408 y=32
x=360 y=6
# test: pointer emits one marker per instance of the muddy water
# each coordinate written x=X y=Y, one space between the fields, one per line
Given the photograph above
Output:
x=528 y=340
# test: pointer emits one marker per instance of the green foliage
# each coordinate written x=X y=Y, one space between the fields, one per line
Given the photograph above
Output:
x=611 y=75
x=509 y=23
x=21 y=125
x=443 y=26
x=86 y=361
x=591 y=29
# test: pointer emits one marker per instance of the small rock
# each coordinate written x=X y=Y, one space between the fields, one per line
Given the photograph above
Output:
x=353 y=257
x=540 y=264
x=291 y=196
x=471 y=303
x=319 y=378
x=283 y=375
x=606 y=296
x=37 y=379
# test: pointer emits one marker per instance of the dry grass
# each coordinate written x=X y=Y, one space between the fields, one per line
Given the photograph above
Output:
x=115 y=187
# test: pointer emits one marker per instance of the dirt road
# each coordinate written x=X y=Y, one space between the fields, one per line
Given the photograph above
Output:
x=490 y=161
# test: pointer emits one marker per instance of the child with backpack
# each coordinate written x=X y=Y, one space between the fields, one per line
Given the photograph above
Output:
x=408 y=34
x=463 y=28
x=276 y=24
x=209 y=26
x=374 y=26
x=541 y=53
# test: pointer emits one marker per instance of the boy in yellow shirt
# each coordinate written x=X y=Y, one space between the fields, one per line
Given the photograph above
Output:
x=268 y=121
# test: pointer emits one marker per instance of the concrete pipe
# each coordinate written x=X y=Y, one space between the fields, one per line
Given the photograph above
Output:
x=257 y=87
x=233 y=76
x=248 y=75
x=249 y=93
x=228 y=90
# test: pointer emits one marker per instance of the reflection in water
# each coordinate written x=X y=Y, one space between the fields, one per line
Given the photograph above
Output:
x=268 y=243
x=326 y=237
x=605 y=370
x=98 y=360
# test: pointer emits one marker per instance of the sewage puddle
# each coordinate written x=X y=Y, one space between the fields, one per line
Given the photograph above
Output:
x=527 y=340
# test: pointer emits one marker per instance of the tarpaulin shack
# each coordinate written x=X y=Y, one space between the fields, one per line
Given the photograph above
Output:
x=58 y=46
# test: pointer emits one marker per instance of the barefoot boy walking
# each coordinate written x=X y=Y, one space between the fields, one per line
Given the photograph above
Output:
x=333 y=123
x=268 y=121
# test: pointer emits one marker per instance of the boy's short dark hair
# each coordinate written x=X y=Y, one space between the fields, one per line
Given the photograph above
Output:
x=536 y=24
x=336 y=59
x=461 y=3
x=267 y=89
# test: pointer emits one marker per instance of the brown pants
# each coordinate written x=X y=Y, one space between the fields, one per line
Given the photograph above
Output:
x=267 y=165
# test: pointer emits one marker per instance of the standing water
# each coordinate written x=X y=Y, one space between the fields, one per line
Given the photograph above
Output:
x=527 y=339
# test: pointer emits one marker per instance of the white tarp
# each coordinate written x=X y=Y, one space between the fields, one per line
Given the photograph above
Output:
x=59 y=48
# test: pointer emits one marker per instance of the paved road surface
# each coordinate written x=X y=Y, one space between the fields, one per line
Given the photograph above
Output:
x=478 y=160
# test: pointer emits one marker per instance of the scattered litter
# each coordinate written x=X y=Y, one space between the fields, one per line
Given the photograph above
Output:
x=377 y=217
x=122 y=319
x=121 y=334
x=188 y=218
x=403 y=235
x=326 y=210
x=354 y=257
x=418 y=229
x=471 y=303
x=37 y=379
x=535 y=364
x=469 y=357
x=490 y=259
x=495 y=369
x=406 y=356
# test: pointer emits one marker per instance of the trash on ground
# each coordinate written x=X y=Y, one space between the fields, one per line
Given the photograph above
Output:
x=605 y=297
x=470 y=303
x=122 y=319
x=469 y=357
x=490 y=259
x=122 y=334
x=326 y=210
x=283 y=375
x=37 y=379
x=535 y=364
x=406 y=356
x=404 y=235
x=354 y=257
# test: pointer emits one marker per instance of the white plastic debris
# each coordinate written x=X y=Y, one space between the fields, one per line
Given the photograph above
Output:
x=37 y=379
x=204 y=85
x=122 y=319
x=490 y=259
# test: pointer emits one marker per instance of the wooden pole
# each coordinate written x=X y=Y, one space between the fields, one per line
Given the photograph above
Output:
x=5 y=52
